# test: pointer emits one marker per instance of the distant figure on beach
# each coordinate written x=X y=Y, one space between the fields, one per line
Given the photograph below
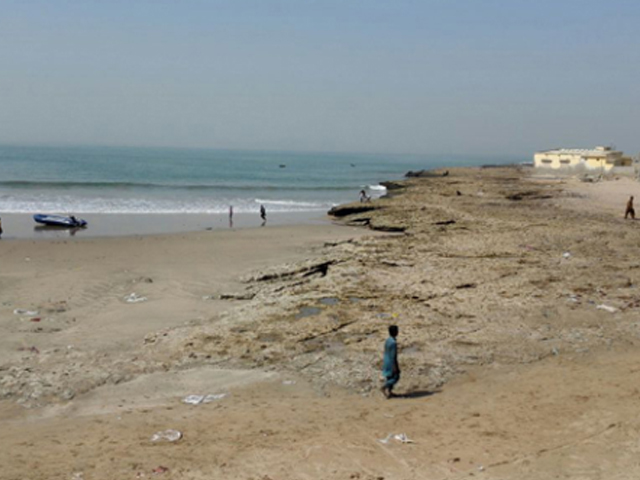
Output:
x=390 y=367
x=363 y=196
x=0 y=227
x=263 y=214
x=630 y=210
x=230 y=215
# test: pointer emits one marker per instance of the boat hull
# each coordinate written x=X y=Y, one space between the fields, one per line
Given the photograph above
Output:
x=59 y=221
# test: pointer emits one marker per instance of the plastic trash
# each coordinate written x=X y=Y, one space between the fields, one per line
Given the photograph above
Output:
x=159 y=470
x=134 y=298
x=566 y=255
x=402 y=438
x=399 y=437
x=168 y=435
x=198 y=399
x=214 y=397
x=607 y=308
x=25 y=313
x=193 y=399
x=289 y=382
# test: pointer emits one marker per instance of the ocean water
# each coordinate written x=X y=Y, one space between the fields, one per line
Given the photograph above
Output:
x=113 y=180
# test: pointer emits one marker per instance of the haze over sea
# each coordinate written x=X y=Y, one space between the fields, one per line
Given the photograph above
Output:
x=112 y=180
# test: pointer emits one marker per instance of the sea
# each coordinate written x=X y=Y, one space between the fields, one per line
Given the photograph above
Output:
x=86 y=181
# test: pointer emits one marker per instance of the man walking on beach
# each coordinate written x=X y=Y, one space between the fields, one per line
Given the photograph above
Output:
x=263 y=214
x=630 y=210
x=390 y=367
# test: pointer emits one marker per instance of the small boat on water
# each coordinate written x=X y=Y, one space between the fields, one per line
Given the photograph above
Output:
x=60 y=221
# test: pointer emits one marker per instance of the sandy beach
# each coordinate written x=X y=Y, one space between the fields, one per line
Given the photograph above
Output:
x=516 y=298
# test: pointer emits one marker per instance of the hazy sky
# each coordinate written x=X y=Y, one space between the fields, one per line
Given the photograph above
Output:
x=423 y=76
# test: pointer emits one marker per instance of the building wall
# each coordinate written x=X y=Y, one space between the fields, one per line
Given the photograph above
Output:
x=569 y=161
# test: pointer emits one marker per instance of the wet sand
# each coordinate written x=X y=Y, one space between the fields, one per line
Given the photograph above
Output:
x=512 y=367
x=22 y=226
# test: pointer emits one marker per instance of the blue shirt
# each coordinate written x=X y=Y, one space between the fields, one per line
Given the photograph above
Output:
x=390 y=357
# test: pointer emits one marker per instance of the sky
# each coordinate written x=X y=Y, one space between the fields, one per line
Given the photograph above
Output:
x=395 y=76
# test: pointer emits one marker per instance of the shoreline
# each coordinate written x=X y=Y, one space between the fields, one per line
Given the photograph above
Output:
x=22 y=226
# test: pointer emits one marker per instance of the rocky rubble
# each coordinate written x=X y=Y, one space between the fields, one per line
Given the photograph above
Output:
x=478 y=276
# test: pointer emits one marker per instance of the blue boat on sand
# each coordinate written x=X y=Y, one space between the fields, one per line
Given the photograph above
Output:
x=60 y=221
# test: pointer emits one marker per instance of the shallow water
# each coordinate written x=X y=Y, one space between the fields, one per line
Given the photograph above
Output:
x=308 y=312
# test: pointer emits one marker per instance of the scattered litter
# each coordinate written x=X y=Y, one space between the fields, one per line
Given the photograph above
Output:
x=25 y=313
x=198 y=399
x=481 y=468
x=289 y=382
x=566 y=255
x=134 y=298
x=36 y=319
x=168 y=435
x=607 y=308
x=214 y=397
x=160 y=470
x=400 y=437
x=555 y=351
x=193 y=399
x=77 y=476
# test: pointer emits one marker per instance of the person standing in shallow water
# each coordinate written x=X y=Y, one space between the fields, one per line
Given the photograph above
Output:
x=390 y=367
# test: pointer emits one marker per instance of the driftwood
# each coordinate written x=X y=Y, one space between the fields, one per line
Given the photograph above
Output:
x=446 y=222
x=317 y=268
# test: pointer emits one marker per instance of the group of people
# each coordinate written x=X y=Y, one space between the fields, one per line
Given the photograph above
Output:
x=263 y=215
x=364 y=197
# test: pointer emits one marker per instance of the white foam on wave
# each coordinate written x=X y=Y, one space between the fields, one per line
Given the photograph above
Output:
x=377 y=187
x=293 y=203
x=79 y=205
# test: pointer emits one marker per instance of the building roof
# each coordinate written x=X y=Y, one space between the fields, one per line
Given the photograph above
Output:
x=585 y=152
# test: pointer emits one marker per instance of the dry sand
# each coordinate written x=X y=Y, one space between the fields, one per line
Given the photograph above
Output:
x=510 y=369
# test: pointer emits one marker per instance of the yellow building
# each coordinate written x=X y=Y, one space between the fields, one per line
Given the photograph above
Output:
x=601 y=159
